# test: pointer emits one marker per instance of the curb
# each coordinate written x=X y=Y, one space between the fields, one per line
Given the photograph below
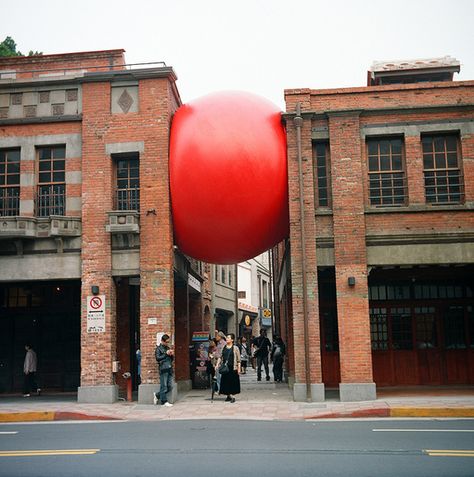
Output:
x=52 y=416
x=400 y=412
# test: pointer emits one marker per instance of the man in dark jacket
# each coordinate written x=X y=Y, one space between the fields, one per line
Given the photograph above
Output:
x=262 y=345
x=164 y=355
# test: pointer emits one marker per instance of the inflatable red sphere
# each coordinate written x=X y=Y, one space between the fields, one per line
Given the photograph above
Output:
x=228 y=177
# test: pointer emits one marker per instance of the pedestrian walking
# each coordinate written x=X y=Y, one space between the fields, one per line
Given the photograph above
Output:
x=164 y=356
x=244 y=354
x=262 y=348
x=29 y=370
x=230 y=360
x=278 y=356
x=221 y=342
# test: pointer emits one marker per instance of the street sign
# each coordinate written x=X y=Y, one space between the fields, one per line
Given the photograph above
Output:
x=96 y=314
x=267 y=313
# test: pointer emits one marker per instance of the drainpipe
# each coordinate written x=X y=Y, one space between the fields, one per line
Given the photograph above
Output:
x=298 y=122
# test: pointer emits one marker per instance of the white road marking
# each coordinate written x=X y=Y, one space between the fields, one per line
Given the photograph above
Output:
x=423 y=430
x=8 y=432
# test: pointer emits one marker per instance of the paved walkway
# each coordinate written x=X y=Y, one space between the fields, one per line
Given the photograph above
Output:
x=258 y=401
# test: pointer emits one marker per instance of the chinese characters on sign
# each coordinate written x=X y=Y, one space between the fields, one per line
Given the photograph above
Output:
x=96 y=314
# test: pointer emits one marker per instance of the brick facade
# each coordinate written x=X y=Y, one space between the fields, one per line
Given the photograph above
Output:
x=356 y=239
x=117 y=112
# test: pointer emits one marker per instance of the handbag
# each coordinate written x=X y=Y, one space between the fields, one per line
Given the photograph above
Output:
x=223 y=368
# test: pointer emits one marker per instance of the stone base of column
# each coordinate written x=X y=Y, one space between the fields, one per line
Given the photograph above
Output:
x=98 y=394
x=184 y=386
x=146 y=391
x=317 y=392
x=357 y=392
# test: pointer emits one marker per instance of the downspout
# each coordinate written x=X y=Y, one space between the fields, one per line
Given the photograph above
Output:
x=298 y=122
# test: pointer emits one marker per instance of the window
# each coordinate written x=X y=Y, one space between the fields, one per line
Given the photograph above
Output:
x=9 y=182
x=242 y=294
x=454 y=330
x=443 y=180
x=331 y=338
x=127 y=193
x=426 y=335
x=223 y=274
x=401 y=328
x=322 y=173
x=51 y=196
x=386 y=172
x=230 y=275
x=265 y=294
x=216 y=273
x=379 y=328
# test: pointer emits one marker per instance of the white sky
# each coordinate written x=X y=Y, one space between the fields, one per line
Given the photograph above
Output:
x=261 y=46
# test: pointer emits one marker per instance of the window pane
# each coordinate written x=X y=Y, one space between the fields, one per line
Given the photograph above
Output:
x=13 y=179
x=45 y=153
x=373 y=163
x=397 y=146
x=454 y=331
x=44 y=166
x=397 y=163
x=58 y=177
x=58 y=165
x=452 y=159
x=45 y=177
x=372 y=148
x=384 y=163
x=451 y=143
x=59 y=152
x=427 y=144
x=440 y=161
x=439 y=144
x=428 y=162
x=384 y=147
x=12 y=167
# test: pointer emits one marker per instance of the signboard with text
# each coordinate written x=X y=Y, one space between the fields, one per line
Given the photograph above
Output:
x=96 y=314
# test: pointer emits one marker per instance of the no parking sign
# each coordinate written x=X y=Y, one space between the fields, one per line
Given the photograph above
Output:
x=96 y=314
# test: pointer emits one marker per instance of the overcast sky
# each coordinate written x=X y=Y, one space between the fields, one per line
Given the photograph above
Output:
x=261 y=46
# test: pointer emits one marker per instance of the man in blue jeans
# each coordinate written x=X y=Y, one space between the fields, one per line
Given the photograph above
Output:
x=164 y=355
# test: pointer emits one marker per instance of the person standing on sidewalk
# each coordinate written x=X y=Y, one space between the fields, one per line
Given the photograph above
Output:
x=230 y=381
x=164 y=356
x=277 y=356
x=244 y=354
x=221 y=342
x=29 y=370
x=262 y=348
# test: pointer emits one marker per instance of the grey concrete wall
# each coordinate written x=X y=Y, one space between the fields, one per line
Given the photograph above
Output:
x=40 y=267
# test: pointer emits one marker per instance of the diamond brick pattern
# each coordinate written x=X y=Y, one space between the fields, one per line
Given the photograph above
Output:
x=125 y=101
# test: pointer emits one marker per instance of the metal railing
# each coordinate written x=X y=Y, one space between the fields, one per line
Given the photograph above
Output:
x=9 y=201
x=127 y=199
x=51 y=200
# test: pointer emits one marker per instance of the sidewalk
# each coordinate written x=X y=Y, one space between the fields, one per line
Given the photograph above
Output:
x=258 y=401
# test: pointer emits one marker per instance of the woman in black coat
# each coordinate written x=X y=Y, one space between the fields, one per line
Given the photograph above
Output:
x=230 y=381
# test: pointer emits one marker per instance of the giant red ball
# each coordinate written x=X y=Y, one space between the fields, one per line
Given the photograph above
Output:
x=228 y=177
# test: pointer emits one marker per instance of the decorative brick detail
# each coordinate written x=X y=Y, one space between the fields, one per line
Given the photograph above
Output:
x=57 y=109
x=16 y=99
x=71 y=95
x=125 y=101
x=44 y=96
x=30 y=111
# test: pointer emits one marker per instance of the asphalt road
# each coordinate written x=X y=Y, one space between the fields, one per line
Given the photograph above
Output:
x=239 y=448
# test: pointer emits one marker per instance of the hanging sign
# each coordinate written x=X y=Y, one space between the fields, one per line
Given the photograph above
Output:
x=96 y=314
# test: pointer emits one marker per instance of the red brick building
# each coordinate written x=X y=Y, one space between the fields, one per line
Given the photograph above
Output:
x=375 y=285
x=85 y=227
